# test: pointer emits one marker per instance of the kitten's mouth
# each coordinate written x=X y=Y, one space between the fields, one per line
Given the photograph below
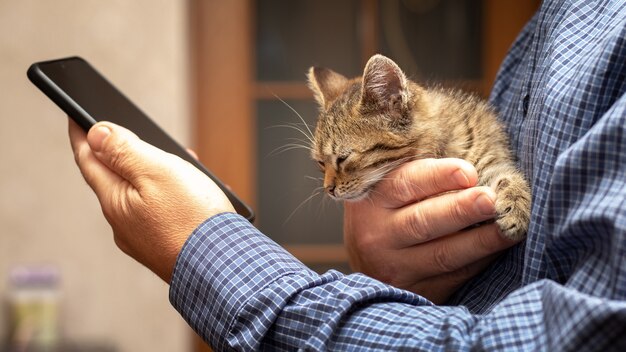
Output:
x=353 y=196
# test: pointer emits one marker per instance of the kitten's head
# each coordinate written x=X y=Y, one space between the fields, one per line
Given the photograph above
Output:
x=364 y=126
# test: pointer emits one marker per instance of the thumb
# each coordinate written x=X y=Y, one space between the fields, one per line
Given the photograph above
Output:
x=123 y=152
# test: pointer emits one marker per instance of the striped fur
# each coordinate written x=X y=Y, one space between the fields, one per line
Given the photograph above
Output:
x=368 y=126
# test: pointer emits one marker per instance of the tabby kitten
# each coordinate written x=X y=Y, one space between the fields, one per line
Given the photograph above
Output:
x=368 y=126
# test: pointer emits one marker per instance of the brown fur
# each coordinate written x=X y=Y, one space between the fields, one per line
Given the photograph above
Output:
x=368 y=126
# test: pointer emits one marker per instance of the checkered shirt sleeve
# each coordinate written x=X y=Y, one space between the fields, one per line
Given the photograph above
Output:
x=562 y=93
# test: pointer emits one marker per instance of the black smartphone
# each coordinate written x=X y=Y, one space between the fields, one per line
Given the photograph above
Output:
x=87 y=97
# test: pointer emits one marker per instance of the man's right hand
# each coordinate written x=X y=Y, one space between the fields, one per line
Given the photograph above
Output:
x=153 y=200
x=411 y=232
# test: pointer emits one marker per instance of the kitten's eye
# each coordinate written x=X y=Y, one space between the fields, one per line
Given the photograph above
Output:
x=341 y=159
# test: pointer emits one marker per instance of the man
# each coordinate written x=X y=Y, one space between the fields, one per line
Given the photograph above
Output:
x=561 y=92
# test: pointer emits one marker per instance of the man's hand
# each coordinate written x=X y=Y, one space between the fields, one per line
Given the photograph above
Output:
x=411 y=231
x=153 y=200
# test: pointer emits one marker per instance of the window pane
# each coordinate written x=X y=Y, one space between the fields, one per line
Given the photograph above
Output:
x=293 y=35
x=433 y=39
x=288 y=177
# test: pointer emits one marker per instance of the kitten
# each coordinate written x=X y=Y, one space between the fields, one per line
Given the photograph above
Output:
x=368 y=126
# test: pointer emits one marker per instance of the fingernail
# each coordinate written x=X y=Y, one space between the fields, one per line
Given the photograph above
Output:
x=485 y=203
x=97 y=137
x=460 y=178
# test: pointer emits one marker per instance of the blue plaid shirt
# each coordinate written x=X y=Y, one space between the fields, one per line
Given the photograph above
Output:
x=561 y=91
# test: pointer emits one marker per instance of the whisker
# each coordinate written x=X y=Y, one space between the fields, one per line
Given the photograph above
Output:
x=310 y=135
x=373 y=192
x=296 y=128
x=379 y=174
x=297 y=144
x=393 y=164
x=325 y=202
x=296 y=139
x=315 y=193
x=314 y=178
x=369 y=197
x=286 y=147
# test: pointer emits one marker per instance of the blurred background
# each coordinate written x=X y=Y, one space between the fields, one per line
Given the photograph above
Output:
x=224 y=77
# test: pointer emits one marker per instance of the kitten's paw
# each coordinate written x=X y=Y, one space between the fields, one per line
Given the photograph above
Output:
x=511 y=226
x=512 y=206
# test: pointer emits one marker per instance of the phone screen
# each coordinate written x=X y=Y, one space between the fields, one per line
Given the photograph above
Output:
x=87 y=97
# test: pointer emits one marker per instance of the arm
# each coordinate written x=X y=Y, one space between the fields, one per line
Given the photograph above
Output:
x=241 y=291
x=153 y=201
x=262 y=297
x=237 y=288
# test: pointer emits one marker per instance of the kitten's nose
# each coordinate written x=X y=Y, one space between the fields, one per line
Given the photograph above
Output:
x=331 y=190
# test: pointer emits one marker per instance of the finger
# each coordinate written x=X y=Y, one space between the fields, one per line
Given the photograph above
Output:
x=423 y=178
x=435 y=217
x=97 y=175
x=454 y=252
x=438 y=289
x=77 y=135
x=124 y=153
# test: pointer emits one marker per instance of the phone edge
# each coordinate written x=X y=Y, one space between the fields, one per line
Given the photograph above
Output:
x=71 y=108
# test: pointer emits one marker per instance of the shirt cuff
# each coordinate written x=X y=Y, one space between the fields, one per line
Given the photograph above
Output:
x=223 y=263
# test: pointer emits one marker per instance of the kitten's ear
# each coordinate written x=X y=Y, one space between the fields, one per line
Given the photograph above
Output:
x=384 y=85
x=326 y=85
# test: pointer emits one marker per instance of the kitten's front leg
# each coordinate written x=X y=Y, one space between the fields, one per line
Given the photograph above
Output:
x=512 y=204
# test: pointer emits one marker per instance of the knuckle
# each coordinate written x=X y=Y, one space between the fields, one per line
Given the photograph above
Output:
x=458 y=212
x=442 y=258
x=118 y=150
x=488 y=239
x=116 y=155
x=120 y=243
x=433 y=179
x=415 y=181
x=399 y=192
x=367 y=244
x=112 y=208
x=434 y=169
x=121 y=159
x=481 y=241
x=418 y=227
x=398 y=189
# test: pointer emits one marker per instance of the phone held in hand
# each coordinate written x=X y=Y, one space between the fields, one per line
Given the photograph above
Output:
x=87 y=97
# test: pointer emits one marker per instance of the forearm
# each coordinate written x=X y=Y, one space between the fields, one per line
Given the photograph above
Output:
x=220 y=271
x=240 y=290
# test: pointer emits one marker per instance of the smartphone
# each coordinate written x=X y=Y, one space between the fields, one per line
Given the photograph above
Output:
x=88 y=97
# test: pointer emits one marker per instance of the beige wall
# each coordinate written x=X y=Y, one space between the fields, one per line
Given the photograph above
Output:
x=47 y=213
